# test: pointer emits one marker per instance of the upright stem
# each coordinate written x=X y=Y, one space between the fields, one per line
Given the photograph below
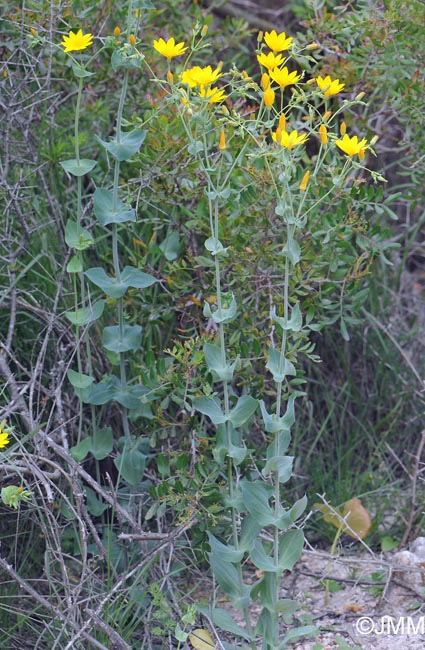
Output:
x=115 y=254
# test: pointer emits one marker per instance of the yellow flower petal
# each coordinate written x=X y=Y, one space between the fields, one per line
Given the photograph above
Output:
x=277 y=42
x=169 y=48
x=76 y=41
x=270 y=60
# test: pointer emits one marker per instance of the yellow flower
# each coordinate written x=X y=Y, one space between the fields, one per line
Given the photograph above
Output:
x=283 y=77
x=269 y=95
x=328 y=86
x=214 y=95
x=4 y=434
x=277 y=42
x=265 y=81
x=270 y=60
x=169 y=48
x=77 y=41
x=352 y=146
x=202 y=77
x=289 y=140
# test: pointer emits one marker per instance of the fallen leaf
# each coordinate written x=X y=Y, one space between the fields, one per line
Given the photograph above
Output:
x=202 y=640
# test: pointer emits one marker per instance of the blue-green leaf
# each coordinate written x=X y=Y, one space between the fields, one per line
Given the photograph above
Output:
x=102 y=443
x=170 y=246
x=76 y=237
x=80 y=451
x=280 y=464
x=225 y=314
x=226 y=552
x=213 y=358
x=106 y=212
x=291 y=545
x=74 y=265
x=78 y=380
x=80 y=73
x=131 y=465
x=224 y=621
x=256 y=497
x=298 y=508
x=294 y=324
x=279 y=366
x=261 y=560
x=128 y=144
x=130 y=277
x=130 y=339
x=86 y=315
x=209 y=406
x=296 y=633
x=78 y=168
x=245 y=407
x=215 y=247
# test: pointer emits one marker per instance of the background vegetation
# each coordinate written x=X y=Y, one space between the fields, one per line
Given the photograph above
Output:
x=131 y=555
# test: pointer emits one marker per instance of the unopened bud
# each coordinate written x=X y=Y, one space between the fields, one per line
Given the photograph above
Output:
x=343 y=128
x=260 y=37
x=204 y=30
x=137 y=13
x=374 y=140
x=269 y=97
x=327 y=116
x=313 y=46
x=303 y=184
x=359 y=96
x=170 y=77
x=323 y=134
x=265 y=81
x=117 y=31
x=222 y=143
x=282 y=121
x=33 y=32
x=224 y=110
x=132 y=40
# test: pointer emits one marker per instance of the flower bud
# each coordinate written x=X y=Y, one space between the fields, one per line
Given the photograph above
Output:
x=343 y=128
x=132 y=40
x=282 y=121
x=269 y=96
x=359 y=96
x=33 y=32
x=117 y=31
x=204 y=30
x=327 y=116
x=303 y=184
x=323 y=134
x=260 y=37
x=374 y=140
x=265 y=81
x=170 y=77
x=313 y=46
x=222 y=143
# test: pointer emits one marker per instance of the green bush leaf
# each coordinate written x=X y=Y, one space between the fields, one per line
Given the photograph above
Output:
x=224 y=621
x=74 y=265
x=130 y=340
x=106 y=212
x=78 y=168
